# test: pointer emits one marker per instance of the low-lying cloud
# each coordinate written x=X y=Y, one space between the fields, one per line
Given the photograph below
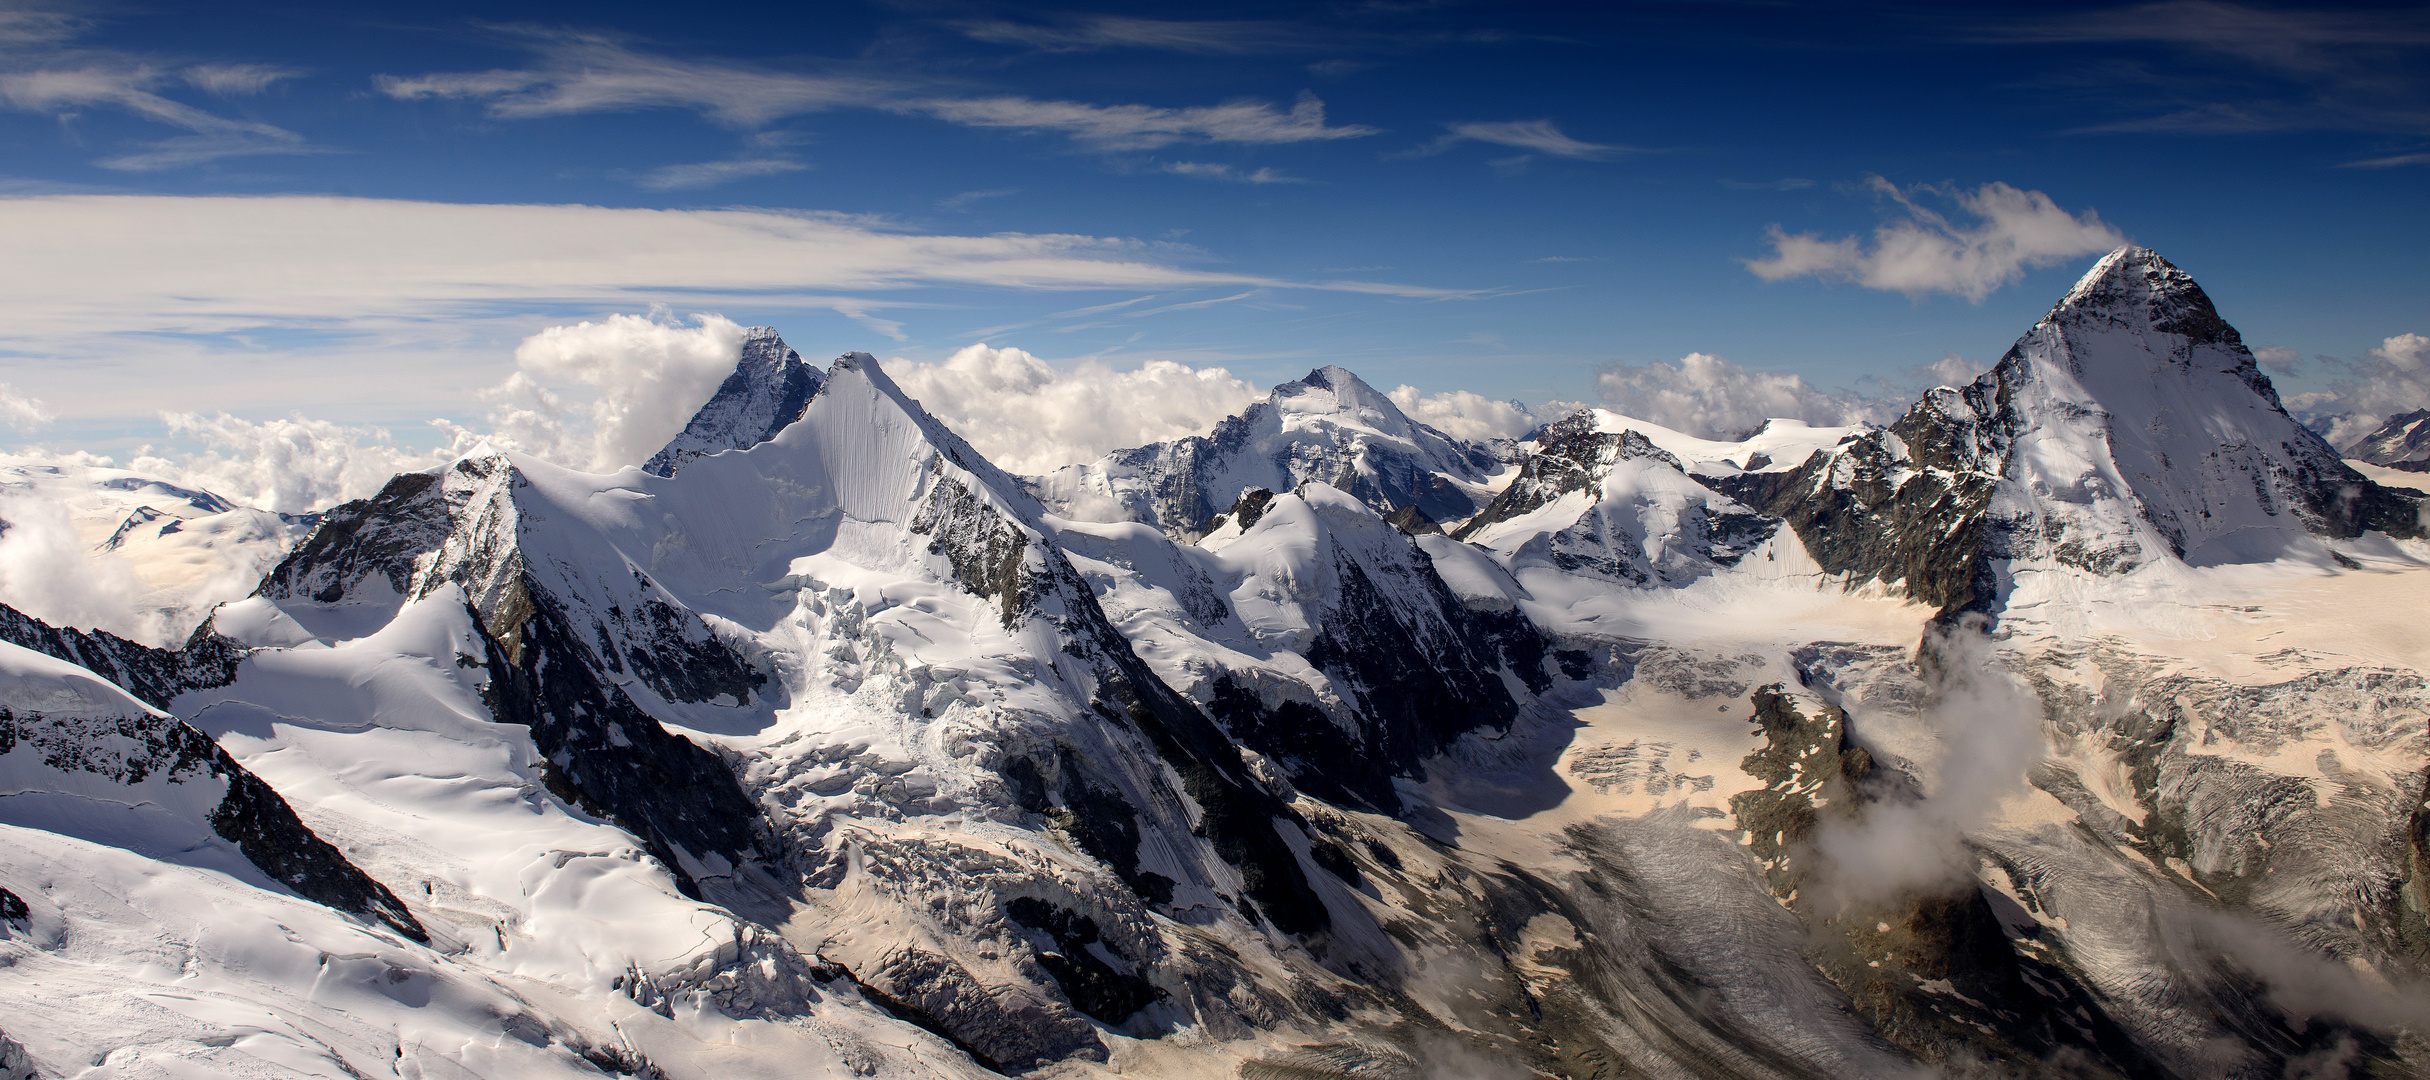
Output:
x=1710 y=397
x=1464 y=414
x=1922 y=250
x=643 y=376
x=1029 y=416
x=1990 y=729
x=2391 y=378
x=292 y=465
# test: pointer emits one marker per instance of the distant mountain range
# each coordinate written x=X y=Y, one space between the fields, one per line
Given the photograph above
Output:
x=2075 y=724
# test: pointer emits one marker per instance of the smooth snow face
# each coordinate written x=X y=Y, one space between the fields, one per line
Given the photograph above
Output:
x=1329 y=427
x=157 y=557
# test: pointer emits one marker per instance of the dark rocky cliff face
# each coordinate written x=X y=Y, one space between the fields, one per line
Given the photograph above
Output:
x=766 y=392
x=154 y=676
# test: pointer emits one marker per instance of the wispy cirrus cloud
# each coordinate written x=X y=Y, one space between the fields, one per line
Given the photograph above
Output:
x=2418 y=157
x=1922 y=250
x=590 y=73
x=1536 y=136
x=712 y=173
x=133 y=88
x=1088 y=33
x=1142 y=127
x=148 y=286
x=2226 y=68
x=1205 y=170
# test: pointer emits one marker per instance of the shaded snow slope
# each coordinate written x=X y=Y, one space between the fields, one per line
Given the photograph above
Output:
x=1329 y=427
x=81 y=757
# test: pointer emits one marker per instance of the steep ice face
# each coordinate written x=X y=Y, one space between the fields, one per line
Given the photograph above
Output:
x=1329 y=427
x=2139 y=425
x=767 y=390
x=2401 y=443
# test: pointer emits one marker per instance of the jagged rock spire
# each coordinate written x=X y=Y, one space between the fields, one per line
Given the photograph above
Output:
x=767 y=390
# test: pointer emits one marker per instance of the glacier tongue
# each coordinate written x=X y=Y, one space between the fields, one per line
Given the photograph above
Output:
x=767 y=390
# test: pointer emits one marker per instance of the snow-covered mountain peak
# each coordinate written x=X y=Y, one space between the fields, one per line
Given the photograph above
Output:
x=1329 y=427
x=767 y=390
x=2135 y=286
x=2401 y=443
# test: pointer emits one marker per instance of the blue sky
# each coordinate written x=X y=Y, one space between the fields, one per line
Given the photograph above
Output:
x=1498 y=198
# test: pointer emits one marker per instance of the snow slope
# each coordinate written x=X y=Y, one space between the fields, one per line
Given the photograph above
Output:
x=1329 y=427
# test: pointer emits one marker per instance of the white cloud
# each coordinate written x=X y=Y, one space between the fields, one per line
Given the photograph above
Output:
x=1135 y=127
x=49 y=572
x=22 y=413
x=645 y=377
x=1029 y=416
x=1541 y=136
x=1921 y=251
x=2392 y=378
x=2279 y=359
x=1232 y=174
x=1990 y=733
x=712 y=173
x=130 y=87
x=1949 y=370
x=1707 y=396
x=1463 y=414
x=292 y=465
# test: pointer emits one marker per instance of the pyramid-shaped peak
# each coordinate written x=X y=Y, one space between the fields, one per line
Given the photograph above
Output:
x=1332 y=388
x=2135 y=286
x=766 y=391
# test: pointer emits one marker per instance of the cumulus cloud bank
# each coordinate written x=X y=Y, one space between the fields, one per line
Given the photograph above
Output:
x=1921 y=250
x=48 y=572
x=2392 y=378
x=1463 y=414
x=1029 y=416
x=643 y=377
x=292 y=465
x=1707 y=396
